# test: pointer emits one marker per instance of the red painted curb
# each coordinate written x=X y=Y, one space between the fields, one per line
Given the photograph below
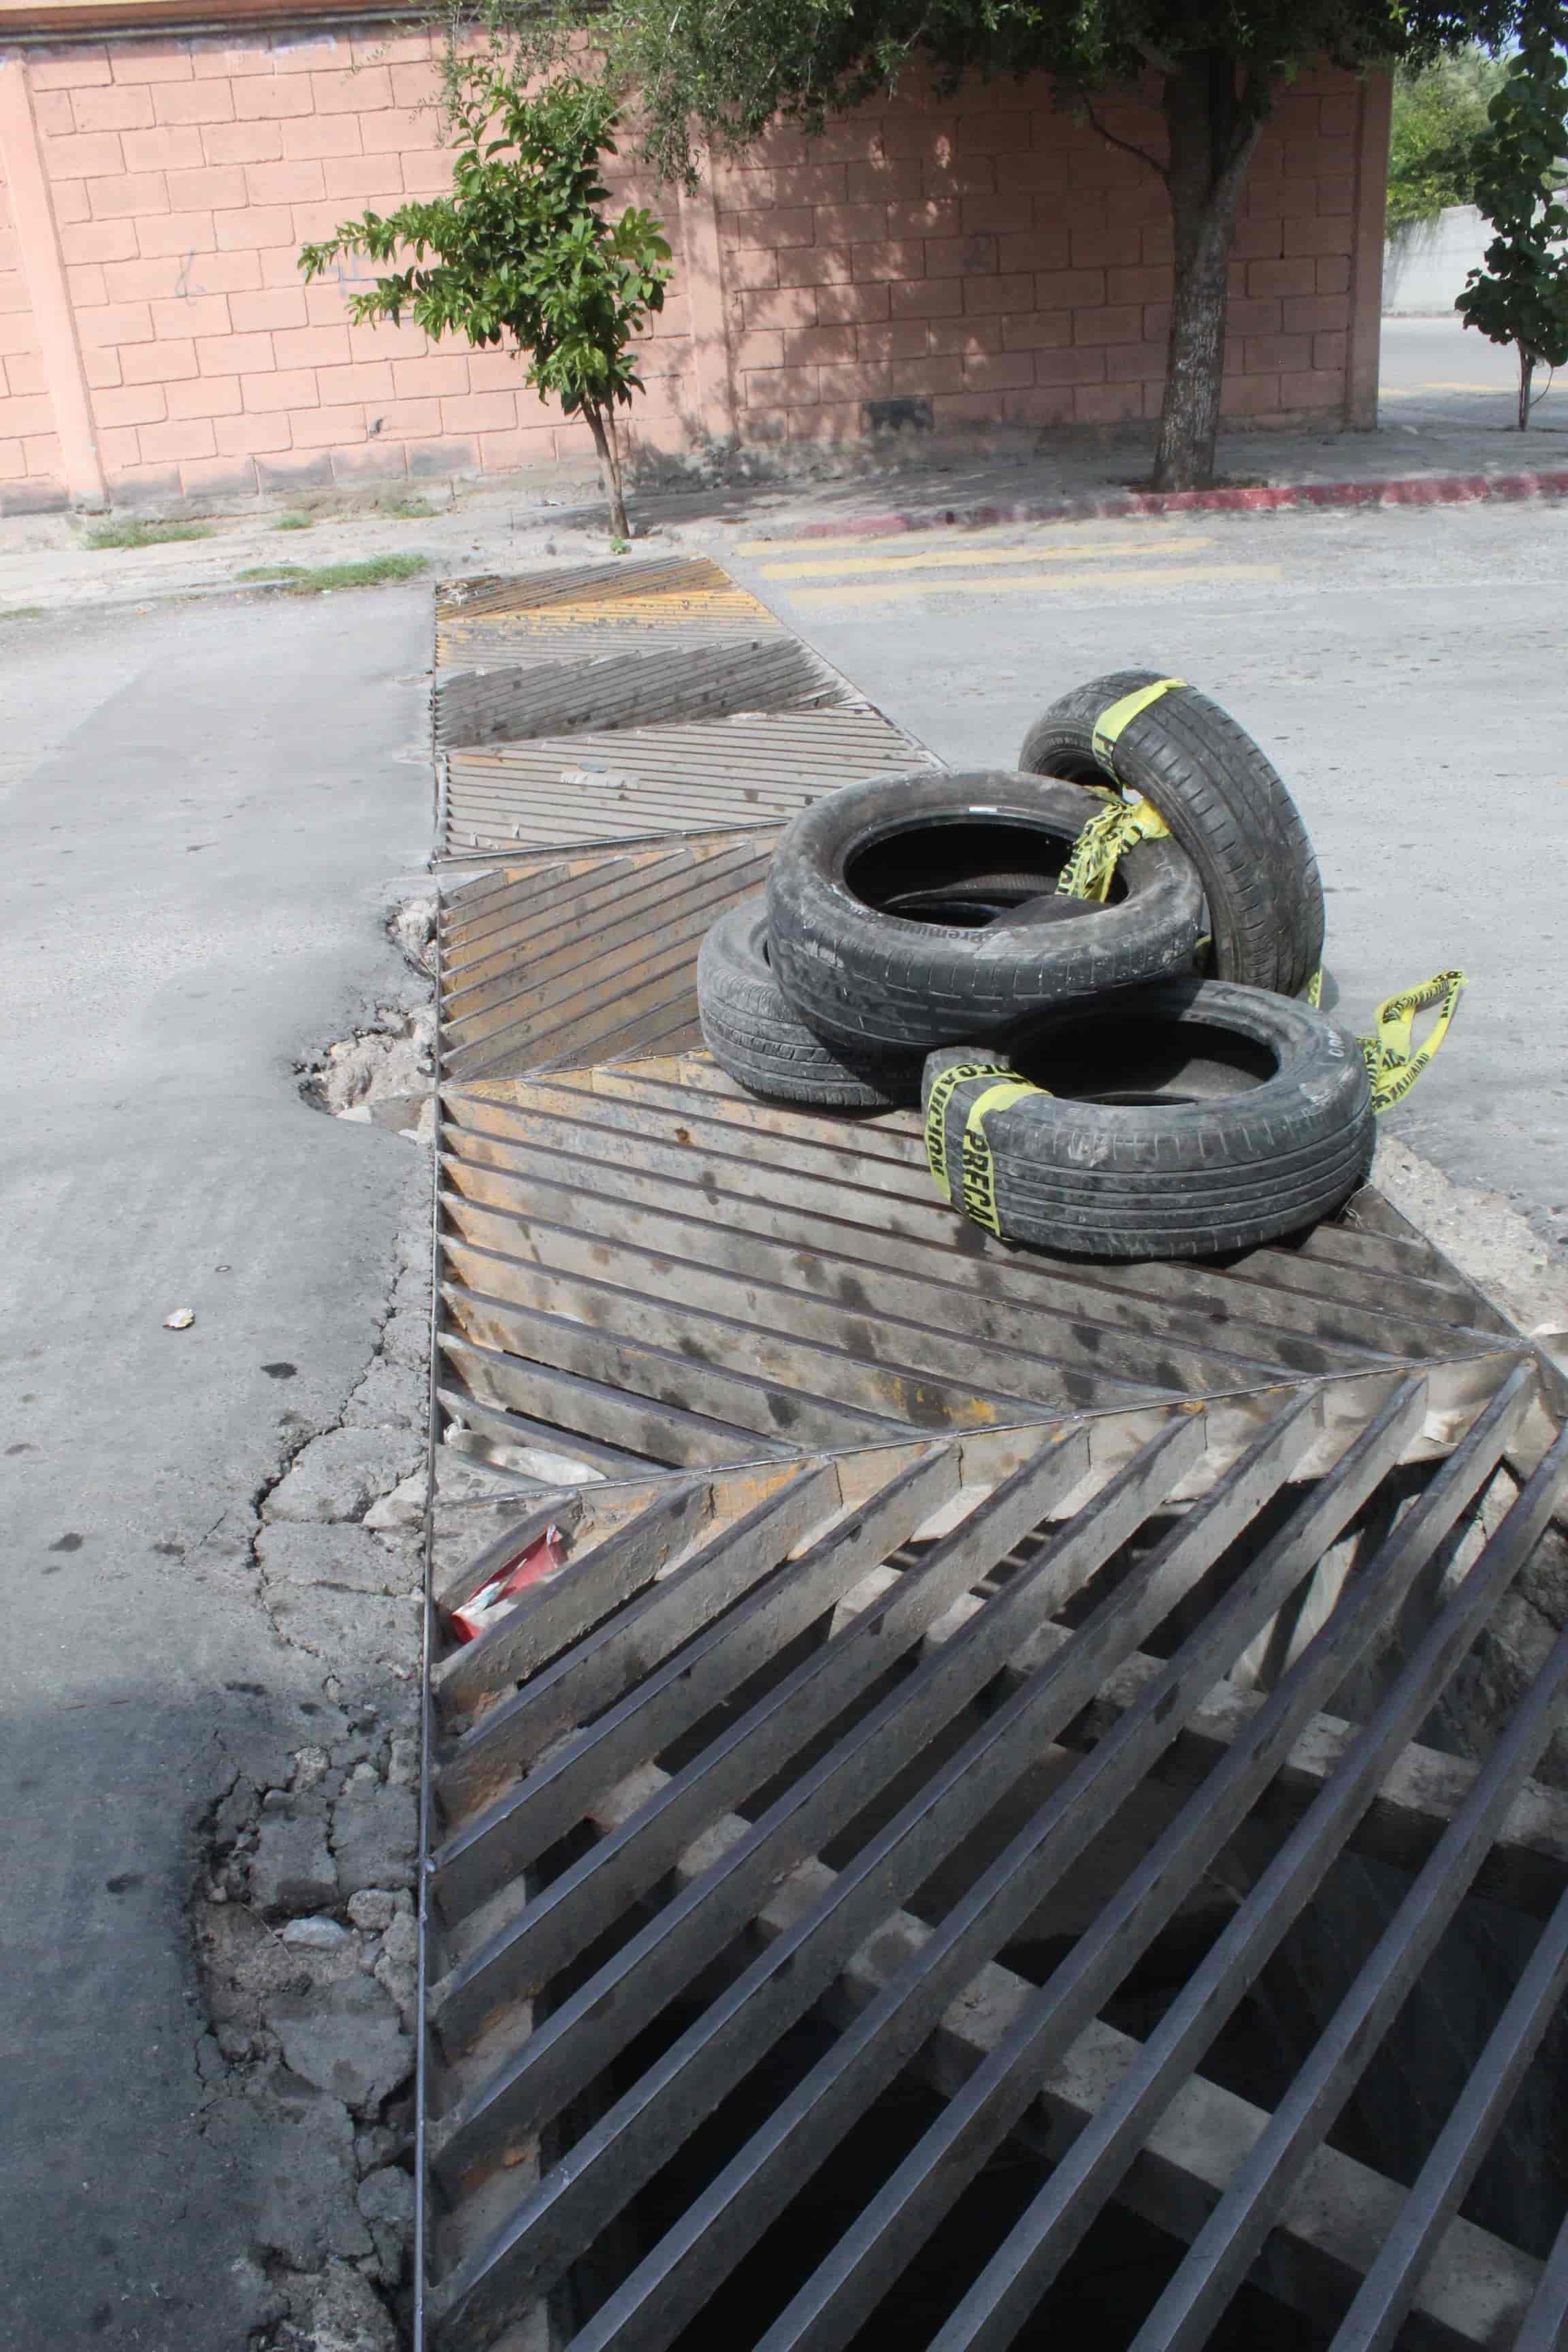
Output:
x=1395 y=491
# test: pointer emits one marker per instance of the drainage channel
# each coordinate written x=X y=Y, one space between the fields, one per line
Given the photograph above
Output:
x=972 y=1817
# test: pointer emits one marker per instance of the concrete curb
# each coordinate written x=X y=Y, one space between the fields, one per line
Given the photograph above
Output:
x=1394 y=490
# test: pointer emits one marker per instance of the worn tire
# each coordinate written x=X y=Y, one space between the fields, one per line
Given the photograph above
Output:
x=1187 y=1120
x=752 y=1033
x=859 y=970
x=1226 y=804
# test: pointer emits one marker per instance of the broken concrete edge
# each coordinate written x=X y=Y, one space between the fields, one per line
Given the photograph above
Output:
x=303 y=1903
x=382 y=1073
x=1262 y=497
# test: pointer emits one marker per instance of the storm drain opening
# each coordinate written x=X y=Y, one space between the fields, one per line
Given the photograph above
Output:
x=863 y=1876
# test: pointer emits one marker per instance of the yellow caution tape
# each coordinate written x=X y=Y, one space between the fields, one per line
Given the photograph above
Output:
x=1390 y=1063
x=1098 y=850
x=942 y=1094
x=1111 y=722
x=977 y=1169
x=976 y=1172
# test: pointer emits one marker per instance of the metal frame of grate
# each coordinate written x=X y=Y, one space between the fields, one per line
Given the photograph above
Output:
x=829 y=1738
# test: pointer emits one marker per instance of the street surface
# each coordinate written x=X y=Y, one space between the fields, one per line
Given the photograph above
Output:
x=1439 y=371
x=194 y=855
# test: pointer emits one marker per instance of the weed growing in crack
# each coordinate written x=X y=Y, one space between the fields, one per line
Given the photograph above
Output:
x=145 y=534
x=294 y=579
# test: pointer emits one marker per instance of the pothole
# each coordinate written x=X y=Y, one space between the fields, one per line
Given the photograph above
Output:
x=382 y=1074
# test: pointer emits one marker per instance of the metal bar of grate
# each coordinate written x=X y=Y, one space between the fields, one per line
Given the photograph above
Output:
x=512 y=1935
x=1224 y=2249
x=552 y=694
x=992 y=2102
x=671 y=2284
x=1546 y=2322
x=609 y=1225
x=1374 y=2318
x=756 y=769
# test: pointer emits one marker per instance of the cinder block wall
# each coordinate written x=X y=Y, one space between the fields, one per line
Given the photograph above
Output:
x=986 y=254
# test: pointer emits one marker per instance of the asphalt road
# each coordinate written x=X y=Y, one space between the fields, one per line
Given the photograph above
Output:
x=1402 y=669
x=1437 y=369
x=201 y=808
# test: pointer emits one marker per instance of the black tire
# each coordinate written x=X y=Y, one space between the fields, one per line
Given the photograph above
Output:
x=1223 y=802
x=752 y=1033
x=885 y=920
x=1187 y=1120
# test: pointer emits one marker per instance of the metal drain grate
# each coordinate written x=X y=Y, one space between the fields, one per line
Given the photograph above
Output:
x=663 y=1270
x=554 y=696
x=943 y=1641
x=681 y=601
x=929 y=1752
x=568 y=960
x=750 y=770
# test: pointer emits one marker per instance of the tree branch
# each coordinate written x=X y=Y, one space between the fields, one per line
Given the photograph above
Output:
x=1126 y=145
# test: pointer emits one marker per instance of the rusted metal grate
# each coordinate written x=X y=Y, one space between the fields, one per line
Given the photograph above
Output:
x=571 y=959
x=680 y=601
x=802 y=1783
x=758 y=768
x=652 y=1263
x=550 y=696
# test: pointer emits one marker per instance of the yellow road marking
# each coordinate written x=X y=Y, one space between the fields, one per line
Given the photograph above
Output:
x=1070 y=533
x=871 y=592
x=953 y=558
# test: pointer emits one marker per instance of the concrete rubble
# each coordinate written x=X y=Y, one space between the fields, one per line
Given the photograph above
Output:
x=304 y=1914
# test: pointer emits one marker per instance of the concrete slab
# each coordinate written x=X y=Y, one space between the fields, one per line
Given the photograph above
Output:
x=205 y=809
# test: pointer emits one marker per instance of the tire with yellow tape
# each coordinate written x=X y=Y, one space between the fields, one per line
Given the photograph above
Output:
x=909 y=910
x=1187 y=1120
x=1224 y=802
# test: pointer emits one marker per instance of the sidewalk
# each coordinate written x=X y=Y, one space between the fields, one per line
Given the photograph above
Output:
x=45 y=562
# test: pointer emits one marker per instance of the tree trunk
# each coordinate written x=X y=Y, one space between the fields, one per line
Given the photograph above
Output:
x=1211 y=138
x=1526 y=371
x=602 y=425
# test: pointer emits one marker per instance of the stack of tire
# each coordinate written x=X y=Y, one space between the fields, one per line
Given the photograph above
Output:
x=1149 y=1078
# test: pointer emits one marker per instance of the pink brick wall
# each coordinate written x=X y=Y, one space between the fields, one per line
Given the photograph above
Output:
x=29 y=449
x=1005 y=261
x=989 y=255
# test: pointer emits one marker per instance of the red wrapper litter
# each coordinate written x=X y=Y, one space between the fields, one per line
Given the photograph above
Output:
x=544 y=1555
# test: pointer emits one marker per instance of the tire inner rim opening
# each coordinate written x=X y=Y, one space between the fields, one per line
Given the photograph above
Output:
x=965 y=872
x=1123 y=1061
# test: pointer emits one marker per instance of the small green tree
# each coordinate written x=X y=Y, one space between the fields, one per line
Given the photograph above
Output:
x=1521 y=294
x=1439 y=113
x=522 y=248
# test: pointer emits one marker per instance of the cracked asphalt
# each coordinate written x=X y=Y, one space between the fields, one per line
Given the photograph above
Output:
x=205 y=812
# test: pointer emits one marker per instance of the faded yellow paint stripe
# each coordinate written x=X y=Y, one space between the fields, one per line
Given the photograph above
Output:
x=1060 y=583
x=955 y=558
